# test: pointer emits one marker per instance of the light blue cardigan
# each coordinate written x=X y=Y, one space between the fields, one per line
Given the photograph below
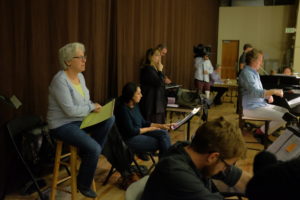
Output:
x=65 y=104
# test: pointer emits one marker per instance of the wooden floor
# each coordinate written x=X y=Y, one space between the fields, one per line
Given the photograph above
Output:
x=112 y=191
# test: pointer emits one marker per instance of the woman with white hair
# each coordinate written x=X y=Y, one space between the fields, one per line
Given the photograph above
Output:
x=69 y=102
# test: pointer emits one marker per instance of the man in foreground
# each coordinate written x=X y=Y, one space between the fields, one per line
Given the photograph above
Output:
x=185 y=172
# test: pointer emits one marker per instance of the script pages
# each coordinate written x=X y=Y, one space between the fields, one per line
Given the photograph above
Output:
x=94 y=118
x=286 y=146
x=188 y=117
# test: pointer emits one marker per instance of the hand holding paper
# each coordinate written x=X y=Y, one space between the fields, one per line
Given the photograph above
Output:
x=189 y=116
x=104 y=113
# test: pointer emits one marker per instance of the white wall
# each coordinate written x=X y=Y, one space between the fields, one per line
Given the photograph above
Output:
x=297 y=45
x=263 y=27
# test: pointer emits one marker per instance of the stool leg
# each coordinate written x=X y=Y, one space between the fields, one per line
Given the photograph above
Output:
x=73 y=172
x=56 y=169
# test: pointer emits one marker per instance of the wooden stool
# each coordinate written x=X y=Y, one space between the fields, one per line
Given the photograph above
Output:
x=73 y=167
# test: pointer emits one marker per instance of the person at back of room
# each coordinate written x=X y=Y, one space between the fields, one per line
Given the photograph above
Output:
x=287 y=71
x=242 y=60
x=215 y=78
x=163 y=52
x=203 y=69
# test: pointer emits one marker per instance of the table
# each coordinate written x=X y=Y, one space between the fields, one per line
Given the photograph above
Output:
x=183 y=111
x=231 y=84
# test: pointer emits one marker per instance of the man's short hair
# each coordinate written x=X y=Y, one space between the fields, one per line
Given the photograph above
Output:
x=161 y=47
x=220 y=136
x=246 y=46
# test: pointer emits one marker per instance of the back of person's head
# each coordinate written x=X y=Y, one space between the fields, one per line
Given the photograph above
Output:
x=217 y=66
x=246 y=46
x=67 y=52
x=161 y=47
x=263 y=159
x=200 y=50
x=277 y=182
x=221 y=136
x=128 y=91
x=252 y=55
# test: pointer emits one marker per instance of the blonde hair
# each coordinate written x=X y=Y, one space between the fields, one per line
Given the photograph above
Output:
x=67 y=52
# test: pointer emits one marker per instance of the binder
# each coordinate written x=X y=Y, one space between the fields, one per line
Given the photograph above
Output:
x=94 y=118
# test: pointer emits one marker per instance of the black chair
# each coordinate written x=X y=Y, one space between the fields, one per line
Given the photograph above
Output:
x=120 y=155
x=244 y=122
x=16 y=128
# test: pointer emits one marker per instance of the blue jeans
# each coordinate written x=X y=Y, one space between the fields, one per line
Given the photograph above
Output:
x=150 y=142
x=89 y=147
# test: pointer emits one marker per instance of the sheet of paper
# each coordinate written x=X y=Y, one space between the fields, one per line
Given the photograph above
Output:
x=94 y=118
x=286 y=146
x=182 y=121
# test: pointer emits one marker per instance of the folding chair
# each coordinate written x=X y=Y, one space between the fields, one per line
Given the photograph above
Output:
x=16 y=128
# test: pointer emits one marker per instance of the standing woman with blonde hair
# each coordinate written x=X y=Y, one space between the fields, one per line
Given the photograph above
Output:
x=154 y=101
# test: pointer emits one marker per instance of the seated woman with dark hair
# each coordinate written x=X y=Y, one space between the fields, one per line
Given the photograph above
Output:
x=140 y=135
x=287 y=71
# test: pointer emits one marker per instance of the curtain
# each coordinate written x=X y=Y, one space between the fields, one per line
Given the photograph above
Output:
x=177 y=23
x=116 y=34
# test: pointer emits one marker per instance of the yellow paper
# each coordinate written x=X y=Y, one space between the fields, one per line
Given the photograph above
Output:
x=94 y=118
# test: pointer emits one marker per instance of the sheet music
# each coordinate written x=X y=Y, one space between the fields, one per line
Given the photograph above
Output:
x=286 y=147
x=294 y=102
x=170 y=86
x=295 y=91
x=180 y=122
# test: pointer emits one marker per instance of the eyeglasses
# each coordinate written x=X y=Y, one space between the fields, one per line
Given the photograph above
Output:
x=80 y=57
x=227 y=165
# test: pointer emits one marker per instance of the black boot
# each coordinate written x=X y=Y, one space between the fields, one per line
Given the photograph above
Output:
x=88 y=192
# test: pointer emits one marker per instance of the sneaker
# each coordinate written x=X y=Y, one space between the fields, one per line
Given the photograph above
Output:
x=258 y=132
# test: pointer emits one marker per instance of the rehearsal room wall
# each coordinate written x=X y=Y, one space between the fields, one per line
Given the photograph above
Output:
x=261 y=26
x=297 y=44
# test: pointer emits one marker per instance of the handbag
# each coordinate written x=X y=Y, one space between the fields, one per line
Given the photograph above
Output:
x=188 y=98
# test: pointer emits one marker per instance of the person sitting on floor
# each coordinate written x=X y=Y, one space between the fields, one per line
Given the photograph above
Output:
x=140 y=135
x=216 y=79
x=185 y=172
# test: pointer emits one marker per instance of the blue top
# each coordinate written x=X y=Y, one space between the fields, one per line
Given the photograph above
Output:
x=215 y=78
x=130 y=120
x=65 y=103
x=251 y=88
